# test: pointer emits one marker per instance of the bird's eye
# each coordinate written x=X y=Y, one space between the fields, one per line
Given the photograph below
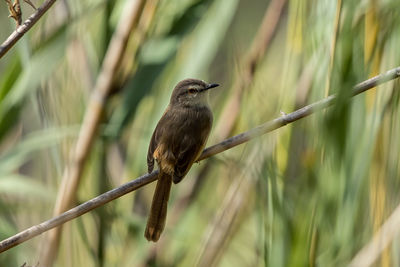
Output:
x=192 y=91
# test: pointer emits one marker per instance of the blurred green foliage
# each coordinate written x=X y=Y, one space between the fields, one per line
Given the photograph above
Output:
x=312 y=193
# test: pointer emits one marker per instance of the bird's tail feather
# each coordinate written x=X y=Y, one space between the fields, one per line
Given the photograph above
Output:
x=158 y=212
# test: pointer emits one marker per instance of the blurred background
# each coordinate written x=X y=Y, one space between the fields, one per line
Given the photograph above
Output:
x=311 y=193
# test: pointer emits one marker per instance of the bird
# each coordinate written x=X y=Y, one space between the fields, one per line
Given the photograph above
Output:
x=177 y=141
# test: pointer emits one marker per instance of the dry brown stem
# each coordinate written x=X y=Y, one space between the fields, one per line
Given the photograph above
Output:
x=382 y=238
x=104 y=84
x=259 y=47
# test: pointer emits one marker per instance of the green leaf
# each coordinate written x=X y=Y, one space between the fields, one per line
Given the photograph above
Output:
x=17 y=86
x=33 y=142
x=15 y=184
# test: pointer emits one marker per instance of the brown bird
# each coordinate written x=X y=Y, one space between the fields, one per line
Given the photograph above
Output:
x=177 y=141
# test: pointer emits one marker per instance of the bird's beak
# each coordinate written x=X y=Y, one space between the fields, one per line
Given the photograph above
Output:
x=209 y=86
x=212 y=85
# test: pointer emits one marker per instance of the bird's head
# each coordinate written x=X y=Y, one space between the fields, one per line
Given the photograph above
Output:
x=191 y=92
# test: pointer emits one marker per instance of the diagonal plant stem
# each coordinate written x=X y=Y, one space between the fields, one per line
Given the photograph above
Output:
x=383 y=237
x=229 y=217
x=224 y=222
x=296 y=115
x=210 y=151
x=104 y=84
x=26 y=26
x=257 y=52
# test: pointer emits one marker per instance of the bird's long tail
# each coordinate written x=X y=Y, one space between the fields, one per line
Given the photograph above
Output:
x=158 y=213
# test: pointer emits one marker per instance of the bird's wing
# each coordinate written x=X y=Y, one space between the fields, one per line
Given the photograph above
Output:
x=158 y=133
x=189 y=151
x=152 y=148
